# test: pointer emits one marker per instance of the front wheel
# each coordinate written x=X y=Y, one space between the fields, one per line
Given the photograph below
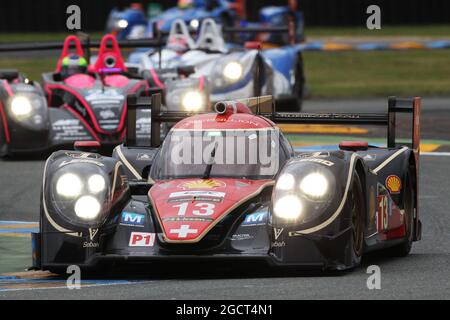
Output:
x=357 y=210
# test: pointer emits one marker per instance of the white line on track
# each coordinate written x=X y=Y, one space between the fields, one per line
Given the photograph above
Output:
x=436 y=154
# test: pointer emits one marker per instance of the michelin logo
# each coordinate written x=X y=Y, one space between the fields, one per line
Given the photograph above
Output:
x=132 y=219
x=255 y=219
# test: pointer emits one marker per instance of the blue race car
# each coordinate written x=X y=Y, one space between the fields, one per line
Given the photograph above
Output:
x=132 y=22
x=232 y=72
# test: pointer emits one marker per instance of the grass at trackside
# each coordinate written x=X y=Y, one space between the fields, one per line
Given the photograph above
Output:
x=432 y=31
x=33 y=68
x=378 y=73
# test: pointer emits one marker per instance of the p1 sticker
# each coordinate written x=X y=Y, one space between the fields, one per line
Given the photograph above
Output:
x=142 y=239
x=393 y=184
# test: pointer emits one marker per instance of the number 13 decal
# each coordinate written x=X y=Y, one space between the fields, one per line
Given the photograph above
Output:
x=200 y=209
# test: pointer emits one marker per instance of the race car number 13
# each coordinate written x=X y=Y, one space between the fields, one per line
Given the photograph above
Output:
x=200 y=209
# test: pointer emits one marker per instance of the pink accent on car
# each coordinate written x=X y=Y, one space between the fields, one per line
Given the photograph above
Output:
x=116 y=80
x=80 y=81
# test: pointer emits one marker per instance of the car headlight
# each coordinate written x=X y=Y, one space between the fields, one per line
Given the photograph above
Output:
x=194 y=23
x=288 y=207
x=87 y=207
x=285 y=182
x=69 y=185
x=303 y=192
x=233 y=71
x=314 y=185
x=80 y=193
x=122 y=23
x=192 y=101
x=96 y=183
x=21 y=106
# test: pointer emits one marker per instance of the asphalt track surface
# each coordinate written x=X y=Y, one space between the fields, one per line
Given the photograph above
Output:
x=425 y=273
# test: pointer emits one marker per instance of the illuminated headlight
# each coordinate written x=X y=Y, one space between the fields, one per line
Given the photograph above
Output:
x=69 y=185
x=122 y=23
x=285 y=182
x=194 y=24
x=233 y=71
x=314 y=185
x=20 y=106
x=288 y=207
x=87 y=207
x=96 y=183
x=192 y=101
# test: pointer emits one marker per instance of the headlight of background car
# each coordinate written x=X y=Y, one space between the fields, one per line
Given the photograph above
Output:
x=302 y=192
x=232 y=69
x=30 y=110
x=80 y=193
x=192 y=101
x=185 y=95
x=122 y=24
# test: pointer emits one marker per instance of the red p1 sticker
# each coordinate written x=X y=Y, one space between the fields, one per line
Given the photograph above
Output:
x=142 y=239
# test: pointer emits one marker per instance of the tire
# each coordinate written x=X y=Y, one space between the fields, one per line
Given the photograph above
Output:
x=404 y=248
x=357 y=208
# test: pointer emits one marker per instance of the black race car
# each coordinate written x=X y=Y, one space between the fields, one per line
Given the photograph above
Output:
x=88 y=105
x=228 y=186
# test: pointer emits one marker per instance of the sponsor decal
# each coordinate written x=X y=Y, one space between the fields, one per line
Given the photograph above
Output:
x=142 y=239
x=144 y=157
x=190 y=199
x=278 y=244
x=107 y=114
x=393 y=184
x=183 y=231
x=243 y=236
x=83 y=155
x=202 y=184
x=319 y=154
x=132 y=219
x=370 y=157
x=92 y=233
x=320 y=161
x=196 y=219
x=384 y=210
x=277 y=232
x=91 y=244
x=255 y=219
x=197 y=194
x=66 y=162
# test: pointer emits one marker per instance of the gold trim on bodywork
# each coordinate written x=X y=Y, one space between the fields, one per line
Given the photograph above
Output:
x=127 y=164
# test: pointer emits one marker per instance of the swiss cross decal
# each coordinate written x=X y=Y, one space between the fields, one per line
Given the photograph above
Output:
x=183 y=231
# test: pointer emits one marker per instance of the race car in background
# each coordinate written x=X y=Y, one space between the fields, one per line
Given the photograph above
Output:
x=233 y=72
x=131 y=22
x=86 y=105
x=243 y=196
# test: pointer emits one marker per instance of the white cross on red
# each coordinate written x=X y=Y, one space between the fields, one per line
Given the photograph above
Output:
x=183 y=231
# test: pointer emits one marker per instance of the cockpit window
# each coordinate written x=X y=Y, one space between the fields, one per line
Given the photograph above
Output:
x=247 y=154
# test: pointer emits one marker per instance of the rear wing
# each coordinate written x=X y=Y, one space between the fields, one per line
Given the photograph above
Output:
x=265 y=106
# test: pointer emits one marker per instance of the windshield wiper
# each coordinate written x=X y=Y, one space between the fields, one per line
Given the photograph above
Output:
x=210 y=163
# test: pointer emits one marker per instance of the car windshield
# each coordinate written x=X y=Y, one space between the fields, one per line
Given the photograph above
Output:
x=247 y=154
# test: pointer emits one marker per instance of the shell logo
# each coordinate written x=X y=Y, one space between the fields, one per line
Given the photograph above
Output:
x=393 y=184
x=202 y=184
